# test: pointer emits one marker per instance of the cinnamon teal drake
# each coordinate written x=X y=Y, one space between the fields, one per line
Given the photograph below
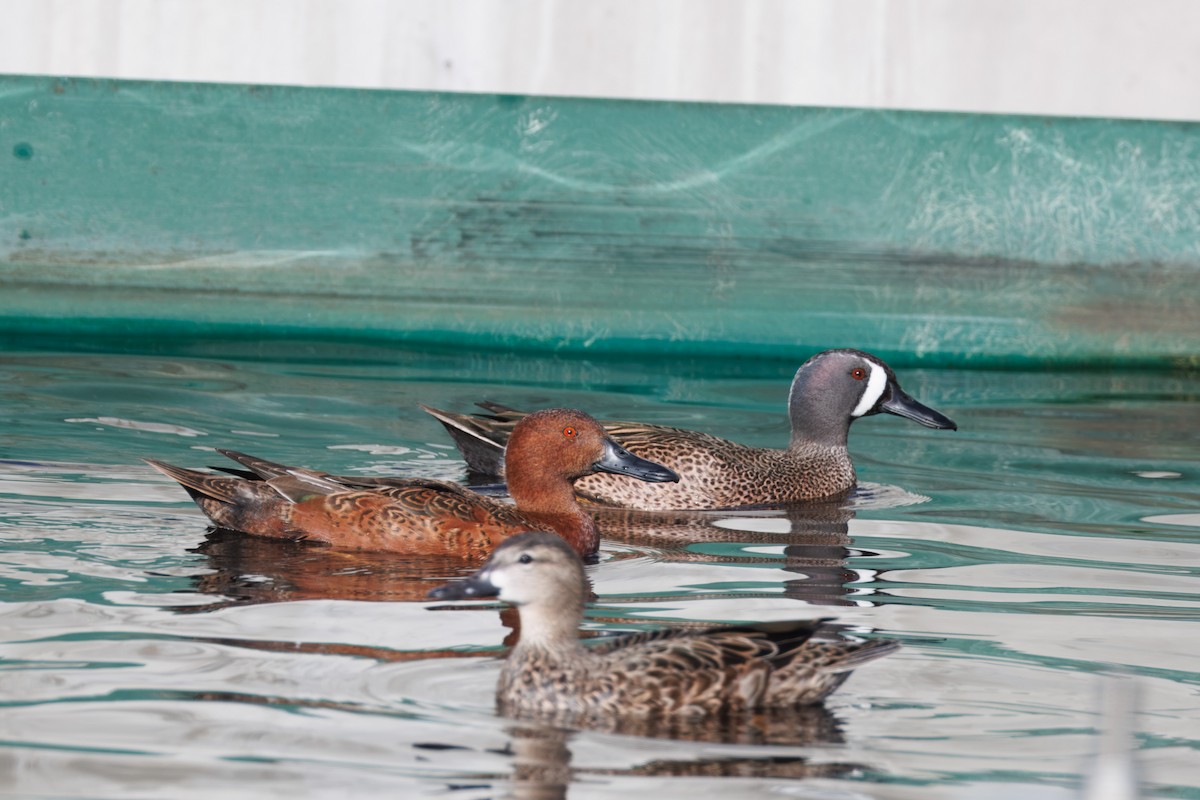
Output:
x=547 y=451
x=690 y=672
x=829 y=392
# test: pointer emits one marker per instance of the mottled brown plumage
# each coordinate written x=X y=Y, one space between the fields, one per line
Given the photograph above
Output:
x=690 y=672
x=829 y=392
x=548 y=451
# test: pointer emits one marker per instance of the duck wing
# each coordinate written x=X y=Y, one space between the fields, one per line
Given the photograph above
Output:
x=436 y=498
x=718 y=646
x=821 y=665
x=419 y=517
x=705 y=671
x=262 y=469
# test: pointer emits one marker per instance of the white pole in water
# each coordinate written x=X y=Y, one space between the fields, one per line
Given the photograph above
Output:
x=1112 y=773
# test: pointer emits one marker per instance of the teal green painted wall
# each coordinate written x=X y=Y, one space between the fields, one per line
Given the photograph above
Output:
x=597 y=226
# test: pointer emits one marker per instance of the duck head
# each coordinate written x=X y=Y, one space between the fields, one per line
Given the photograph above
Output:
x=569 y=443
x=543 y=577
x=526 y=569
x=836 y=387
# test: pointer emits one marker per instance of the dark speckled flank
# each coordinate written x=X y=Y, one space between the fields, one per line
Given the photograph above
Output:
x=549 y=450
x=685 y=672
x=829 y=392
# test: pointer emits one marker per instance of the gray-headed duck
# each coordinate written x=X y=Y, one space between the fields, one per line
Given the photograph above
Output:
x=829 y=392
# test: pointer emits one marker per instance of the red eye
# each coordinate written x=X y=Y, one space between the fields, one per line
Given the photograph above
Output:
x=568 y=432
x=858 y=373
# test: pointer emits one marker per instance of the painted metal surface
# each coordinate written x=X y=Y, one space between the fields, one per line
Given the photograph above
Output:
x=601 y=226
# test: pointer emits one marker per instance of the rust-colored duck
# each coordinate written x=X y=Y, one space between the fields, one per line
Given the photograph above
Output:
x=548 y=450
x=691 y=672
x=829 y=392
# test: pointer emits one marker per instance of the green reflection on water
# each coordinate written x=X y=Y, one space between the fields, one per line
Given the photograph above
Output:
x=1046 y=473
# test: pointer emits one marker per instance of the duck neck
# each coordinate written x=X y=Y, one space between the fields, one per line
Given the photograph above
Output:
x=814 y=423
x=550 y=630
x=541 y=492
x=548 y=497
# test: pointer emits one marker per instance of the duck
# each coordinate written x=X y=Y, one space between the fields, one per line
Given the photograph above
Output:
x=829 y=392
x=547 y=451
x=689 y=672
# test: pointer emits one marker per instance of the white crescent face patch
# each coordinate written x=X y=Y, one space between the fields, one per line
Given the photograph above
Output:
x=876 y=383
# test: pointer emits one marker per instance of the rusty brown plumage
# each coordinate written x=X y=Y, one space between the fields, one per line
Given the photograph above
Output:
x=550 y=449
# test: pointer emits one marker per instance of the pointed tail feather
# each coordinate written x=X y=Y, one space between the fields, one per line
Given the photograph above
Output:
x=259 y=466
x=244 y=474
x=231 y=502
x=200 y=485
x=481 y=441
x=502 y=413
x=817 y=668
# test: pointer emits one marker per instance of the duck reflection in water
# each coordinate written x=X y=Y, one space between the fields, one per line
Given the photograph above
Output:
x=541 y=754
x=247 y=570
x=812 y=541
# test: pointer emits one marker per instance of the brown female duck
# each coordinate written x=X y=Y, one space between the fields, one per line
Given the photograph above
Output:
x=829 y=392
x=548 y=450
x=692 y=672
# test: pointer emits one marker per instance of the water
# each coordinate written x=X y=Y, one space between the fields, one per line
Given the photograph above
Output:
x=1053 y=539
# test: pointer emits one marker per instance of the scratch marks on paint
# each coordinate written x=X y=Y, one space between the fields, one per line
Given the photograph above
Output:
x=536 y=120
x=1030 y=191
x=244 y=260
x=482 y=158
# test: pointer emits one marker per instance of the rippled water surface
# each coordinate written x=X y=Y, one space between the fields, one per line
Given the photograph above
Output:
x=1051 y=540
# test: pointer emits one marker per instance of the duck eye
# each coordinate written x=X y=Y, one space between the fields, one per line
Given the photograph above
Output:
x=525 y=558
x=568 y=432
x=858 y=373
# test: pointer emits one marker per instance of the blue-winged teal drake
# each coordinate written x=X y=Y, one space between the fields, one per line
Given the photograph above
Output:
x=691 y=672
x=829 y=392
x=547 y=452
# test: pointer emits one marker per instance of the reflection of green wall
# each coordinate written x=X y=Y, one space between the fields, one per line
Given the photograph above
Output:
x=596 y=225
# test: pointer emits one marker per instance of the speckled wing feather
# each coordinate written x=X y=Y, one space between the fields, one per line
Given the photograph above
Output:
x=258 y=466
x=818 y=667
x=758 y=641
x=699 y=670
x=262 y=469
x=423 y=517
x=768 y=665
x=453 y=502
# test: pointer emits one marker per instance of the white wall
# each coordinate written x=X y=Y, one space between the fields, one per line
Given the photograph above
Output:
x=1130 y=58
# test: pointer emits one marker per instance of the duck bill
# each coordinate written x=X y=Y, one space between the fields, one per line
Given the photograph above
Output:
x=900 y=403
x=475 y=587
x=619 y=461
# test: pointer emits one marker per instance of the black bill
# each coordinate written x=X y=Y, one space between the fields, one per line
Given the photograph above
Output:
x=900 y=403
x=619 y=461
x=473 y=588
